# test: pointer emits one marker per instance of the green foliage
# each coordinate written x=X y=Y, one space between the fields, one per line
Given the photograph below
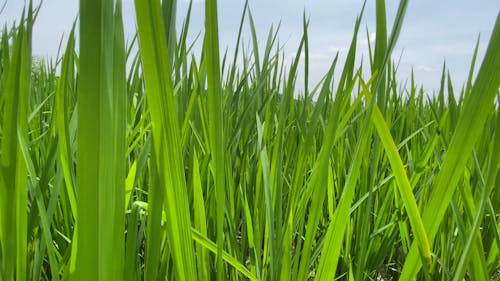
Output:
x=165 y=165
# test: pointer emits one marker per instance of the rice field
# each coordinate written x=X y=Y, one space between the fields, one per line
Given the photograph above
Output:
x=166 y=164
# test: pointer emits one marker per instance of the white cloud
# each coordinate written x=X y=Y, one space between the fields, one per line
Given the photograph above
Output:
x=372 y=36
x=454 y=48
x=332 y=49
x=427 y=68
x=319 y=55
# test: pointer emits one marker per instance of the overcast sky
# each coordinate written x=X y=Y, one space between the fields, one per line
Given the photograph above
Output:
x=433 y=31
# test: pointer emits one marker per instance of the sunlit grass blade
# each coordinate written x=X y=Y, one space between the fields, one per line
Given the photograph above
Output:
x=13 y=180
x=200 y=219
x=65 y=90
x=166 y=136
x=337 y=227
x=209 y=245
x=44 y=218
x=402 y=180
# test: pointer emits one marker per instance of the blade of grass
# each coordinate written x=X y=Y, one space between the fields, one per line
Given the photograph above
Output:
x=166 y=136
x=405 y=189
x=13 y=182
x=215 y=122
x=119 y=145
x=101 y=137
x=337 y=227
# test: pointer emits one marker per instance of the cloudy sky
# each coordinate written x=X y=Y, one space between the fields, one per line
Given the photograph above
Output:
x=433 y=31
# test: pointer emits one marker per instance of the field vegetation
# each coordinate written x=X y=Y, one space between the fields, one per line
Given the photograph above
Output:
x=170 y=165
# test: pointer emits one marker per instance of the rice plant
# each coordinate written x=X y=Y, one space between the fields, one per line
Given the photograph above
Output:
x=167 y=164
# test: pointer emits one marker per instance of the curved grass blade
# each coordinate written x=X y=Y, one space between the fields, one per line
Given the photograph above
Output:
x=405 y=189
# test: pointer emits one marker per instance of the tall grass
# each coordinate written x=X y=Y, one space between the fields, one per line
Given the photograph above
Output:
x=170 y=165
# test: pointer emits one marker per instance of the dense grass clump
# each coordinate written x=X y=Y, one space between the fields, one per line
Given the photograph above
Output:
x=170 y=165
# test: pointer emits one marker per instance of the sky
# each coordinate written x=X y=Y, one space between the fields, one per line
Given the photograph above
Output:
x=433 y=31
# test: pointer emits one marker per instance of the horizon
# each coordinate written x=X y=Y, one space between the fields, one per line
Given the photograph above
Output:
x=421 y=46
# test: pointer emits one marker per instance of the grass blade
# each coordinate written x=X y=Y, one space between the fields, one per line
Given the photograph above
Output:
x=166 y=136
x=215 y=122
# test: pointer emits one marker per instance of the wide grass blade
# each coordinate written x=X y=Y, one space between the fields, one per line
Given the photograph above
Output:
x=101 y=143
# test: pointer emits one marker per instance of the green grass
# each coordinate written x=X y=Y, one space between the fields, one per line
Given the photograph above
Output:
x=166 y=164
